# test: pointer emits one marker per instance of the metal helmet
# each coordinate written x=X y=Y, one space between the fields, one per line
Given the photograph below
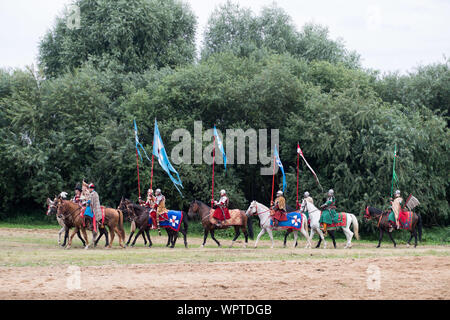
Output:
x=306 y=194
x=397 y=193
x=331 y=192
x=279 y=193
x=150 y=191
x=158 y=191
x=222 y=192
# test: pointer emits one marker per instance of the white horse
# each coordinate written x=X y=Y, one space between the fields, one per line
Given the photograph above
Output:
x=263 y=213
x=314 y=216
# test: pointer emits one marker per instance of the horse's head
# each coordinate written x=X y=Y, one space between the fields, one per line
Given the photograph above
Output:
x=251 y=209
x=372 y=212
x=193 y=209
x=126 y=206
x=51 y=207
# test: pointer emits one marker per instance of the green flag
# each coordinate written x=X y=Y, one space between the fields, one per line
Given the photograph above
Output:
x=394 y=175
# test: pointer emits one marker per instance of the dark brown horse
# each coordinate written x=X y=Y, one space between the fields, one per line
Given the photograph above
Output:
x=382 y=219
x=241 y=222
x=140 y=216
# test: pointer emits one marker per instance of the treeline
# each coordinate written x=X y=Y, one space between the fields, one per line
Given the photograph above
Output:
x=72 y=118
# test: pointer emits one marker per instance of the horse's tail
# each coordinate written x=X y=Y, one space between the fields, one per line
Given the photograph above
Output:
x=419 y=224
x=355 y=226
x=250 y=227
x=185 y=222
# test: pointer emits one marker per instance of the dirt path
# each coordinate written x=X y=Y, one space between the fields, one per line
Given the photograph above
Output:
x=400 y=278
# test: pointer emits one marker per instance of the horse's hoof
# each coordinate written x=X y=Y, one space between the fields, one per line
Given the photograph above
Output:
x=202 y=246
x=87 y=247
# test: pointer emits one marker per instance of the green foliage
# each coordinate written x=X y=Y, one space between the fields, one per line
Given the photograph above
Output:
x=126 y=36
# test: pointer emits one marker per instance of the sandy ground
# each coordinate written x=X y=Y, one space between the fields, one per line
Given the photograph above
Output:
x=425 y=276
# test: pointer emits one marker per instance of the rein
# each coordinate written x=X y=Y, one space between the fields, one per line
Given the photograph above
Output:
x=71 y=213
x=258 y=213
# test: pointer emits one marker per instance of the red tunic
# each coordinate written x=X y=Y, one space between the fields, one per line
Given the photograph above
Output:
x=279 y=215
x=222 y=205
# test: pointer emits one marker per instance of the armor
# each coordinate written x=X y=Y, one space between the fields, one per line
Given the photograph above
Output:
x=279 y=209
x=221 y=212
x=396 y=206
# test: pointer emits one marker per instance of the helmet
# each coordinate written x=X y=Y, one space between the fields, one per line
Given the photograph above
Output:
x=150 y=191
x=397 y=193
x=331 y=192
x=77 y=187
x=306 y=194
x=91 y=186
x=222 y=192
x=158 y=191
x=279 y=193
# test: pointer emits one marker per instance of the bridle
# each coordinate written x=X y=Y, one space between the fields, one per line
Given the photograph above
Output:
x=58 y=206
x=258 y=213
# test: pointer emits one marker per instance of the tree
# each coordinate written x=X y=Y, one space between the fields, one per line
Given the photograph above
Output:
x=127 y=36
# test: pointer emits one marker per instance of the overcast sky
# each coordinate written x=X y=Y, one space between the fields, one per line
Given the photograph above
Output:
x=390 y=35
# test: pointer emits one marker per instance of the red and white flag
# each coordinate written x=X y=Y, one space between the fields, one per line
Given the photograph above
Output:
x=300 y=152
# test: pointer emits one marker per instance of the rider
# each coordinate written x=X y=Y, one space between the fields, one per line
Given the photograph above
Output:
x=77 y=198
x=329 y=214
x=221 y=213
x=396 y=206
x=95 y=204
x=150 y=199
x=306 y=198
x=279 y=209
x=159 y=207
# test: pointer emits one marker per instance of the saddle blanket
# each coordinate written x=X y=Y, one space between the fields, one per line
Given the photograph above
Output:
x=91 y=214
x=235 y=218
x=173 y=222
x=404 y=218
x=342 y=221
x=294 y=221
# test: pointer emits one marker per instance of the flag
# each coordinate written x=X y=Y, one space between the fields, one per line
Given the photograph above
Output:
x=394 y=175
x=220 y=145
x=279 y=164
x=138 y=144
x=160 y=153
x=300 y=152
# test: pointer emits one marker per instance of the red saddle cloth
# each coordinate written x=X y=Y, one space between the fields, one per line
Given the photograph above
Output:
x=279 y=215
x=162 y=217
x=405 y=219
x=218 y=215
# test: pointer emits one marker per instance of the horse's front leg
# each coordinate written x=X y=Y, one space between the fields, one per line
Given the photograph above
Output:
x=214 y=238
x=129 y=238
x=205 y=235
x=63 y=229
x=66 y=236
x=137 y=235
x=71 y=237
x=271 y=237
x=263 y=230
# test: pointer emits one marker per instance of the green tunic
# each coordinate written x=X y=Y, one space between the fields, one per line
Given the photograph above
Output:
x=329 y=214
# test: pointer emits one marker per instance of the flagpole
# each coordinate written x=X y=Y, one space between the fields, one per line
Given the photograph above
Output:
x=137 y=164
x=214 y=158
x=273 y=181
x=151 y=176
x=298 y=170
x=393 y=170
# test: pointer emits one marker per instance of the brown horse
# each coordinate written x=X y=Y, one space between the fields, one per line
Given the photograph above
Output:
x=70 y=212
x=239 y=220
x=382 y=219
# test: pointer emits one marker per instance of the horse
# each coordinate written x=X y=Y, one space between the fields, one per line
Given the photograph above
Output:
x=51 y=210
x=140 y=216
x=238 y=216
x=70 y=212
x=314 y=216
x=263 y=213
x=384 y=226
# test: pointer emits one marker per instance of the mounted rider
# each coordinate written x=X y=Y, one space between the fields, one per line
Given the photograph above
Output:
x=159 y=211
x=150 y=199
x=221 y=212
x=304 y=208
x=329 y=214
x=77 y=198
x=396 y=206
x=279 y=209
x=94 y=202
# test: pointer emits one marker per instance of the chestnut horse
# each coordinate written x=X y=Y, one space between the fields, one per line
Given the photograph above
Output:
x=204 y=211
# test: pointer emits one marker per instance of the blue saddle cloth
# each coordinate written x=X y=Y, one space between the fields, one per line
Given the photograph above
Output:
x=88 y=212
x=173 y=222
x=294 y=221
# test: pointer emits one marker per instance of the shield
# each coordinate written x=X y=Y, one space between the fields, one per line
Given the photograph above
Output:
x=412 y=202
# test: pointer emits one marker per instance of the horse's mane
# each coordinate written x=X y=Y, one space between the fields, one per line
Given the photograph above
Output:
x=375 y=210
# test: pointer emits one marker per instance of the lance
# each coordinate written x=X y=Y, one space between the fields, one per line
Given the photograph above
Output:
x=298 y=170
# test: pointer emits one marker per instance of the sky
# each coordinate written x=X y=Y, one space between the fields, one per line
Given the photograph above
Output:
x=390 y=35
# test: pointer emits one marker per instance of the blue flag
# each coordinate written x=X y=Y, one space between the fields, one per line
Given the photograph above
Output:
x=278 y=161
x=138 y=144
x=220 y=145
x=160 y=153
